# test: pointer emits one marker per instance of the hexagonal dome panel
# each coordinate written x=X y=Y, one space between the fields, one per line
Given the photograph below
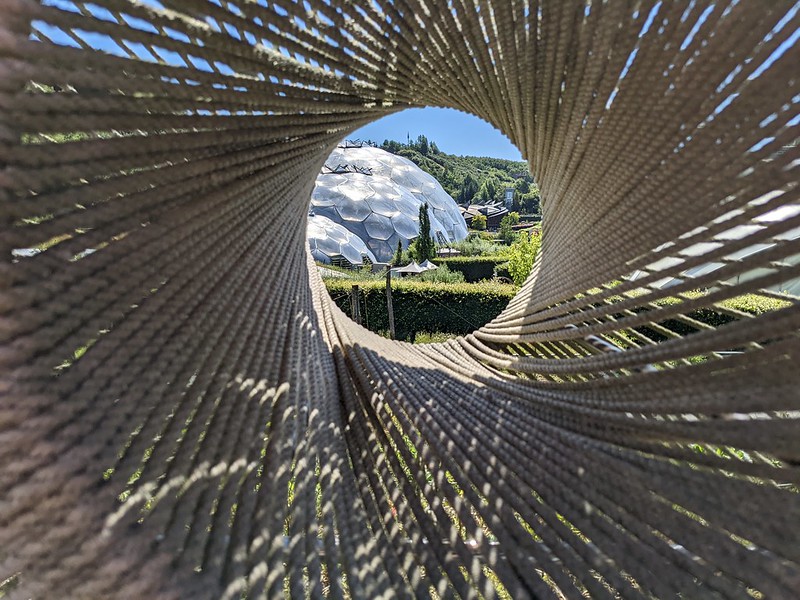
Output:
x=376 y=196
x=329 y=241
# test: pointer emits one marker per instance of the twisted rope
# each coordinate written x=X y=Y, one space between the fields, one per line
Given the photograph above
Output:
x=186 y=413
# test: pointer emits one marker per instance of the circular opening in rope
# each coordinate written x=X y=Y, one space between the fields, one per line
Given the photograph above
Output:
x=449 y=228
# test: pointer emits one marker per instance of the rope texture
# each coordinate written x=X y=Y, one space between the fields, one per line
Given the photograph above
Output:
x=185 y=413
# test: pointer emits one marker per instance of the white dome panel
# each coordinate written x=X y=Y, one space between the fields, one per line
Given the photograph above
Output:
x=405 y=226
x=329 y=240
x=384 y=206
x=379 y=227
x=353 y=210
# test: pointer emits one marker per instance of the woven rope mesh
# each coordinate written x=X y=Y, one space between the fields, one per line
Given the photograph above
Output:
x=185 y=413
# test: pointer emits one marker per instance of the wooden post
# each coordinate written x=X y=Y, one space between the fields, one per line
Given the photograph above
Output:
x=355 y=305
x=389 y=302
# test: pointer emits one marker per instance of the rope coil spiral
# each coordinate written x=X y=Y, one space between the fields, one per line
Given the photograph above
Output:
x=185 y=413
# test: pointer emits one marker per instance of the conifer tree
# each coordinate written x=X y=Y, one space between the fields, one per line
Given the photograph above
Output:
x=425 y=246
x=398 y=255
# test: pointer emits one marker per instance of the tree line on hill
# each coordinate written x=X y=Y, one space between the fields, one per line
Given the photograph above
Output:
x=472 y=179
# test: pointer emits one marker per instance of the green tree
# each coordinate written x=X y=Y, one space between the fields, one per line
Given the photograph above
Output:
x=489 y=190
x=530 y=203
x=521 y=255
x=479 y=222
x=516 y=202
x=397 y=259
x=469 y=187
x=391 y=146
x=507 y=233
x=422 y=145
x=424 y=246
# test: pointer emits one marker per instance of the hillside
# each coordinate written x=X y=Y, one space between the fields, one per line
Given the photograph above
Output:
x=471 y=179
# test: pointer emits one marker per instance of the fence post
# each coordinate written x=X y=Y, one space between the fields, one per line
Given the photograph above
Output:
x=355 y=305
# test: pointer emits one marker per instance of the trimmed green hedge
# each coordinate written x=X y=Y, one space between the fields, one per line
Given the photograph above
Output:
x=502 y=271
x=457 y=308
x=748 y=303
x=474 y=268
x=460 y=308
x=753 y=304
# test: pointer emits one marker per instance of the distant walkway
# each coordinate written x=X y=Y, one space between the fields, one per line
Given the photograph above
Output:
x=325 y=272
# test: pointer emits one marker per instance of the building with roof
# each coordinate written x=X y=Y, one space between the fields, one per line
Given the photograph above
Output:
x=494 y=213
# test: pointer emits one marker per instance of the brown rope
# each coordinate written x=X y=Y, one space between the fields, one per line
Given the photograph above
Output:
x=185 y=413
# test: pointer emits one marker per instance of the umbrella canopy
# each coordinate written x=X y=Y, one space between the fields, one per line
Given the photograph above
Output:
x=428 y=265
x=413 y=267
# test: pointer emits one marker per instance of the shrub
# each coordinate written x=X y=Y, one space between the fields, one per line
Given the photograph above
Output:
x=521 y=255
x=753 y=304
x=423 y=337
x=507 y=233
x=501 y=270
x=479 y=222
x=477 y=246
x=443 y=275
x=474 y=268
x=460 y=308
x=482 y=235
x=457 y=308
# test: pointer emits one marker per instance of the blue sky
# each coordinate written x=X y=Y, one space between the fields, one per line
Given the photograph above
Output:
x=454 y=132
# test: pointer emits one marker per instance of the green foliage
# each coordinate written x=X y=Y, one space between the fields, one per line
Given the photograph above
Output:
x=422 y=145
x=443 y=275
x=457 y=308
x=507 y=233
x=469 y=187
x=424 y=246
x=465 y=177
x=397 y=259
x=521 y=255
x=490 y=190
x=753 y=304
x=474 y=268
x=479 y=222
x=475 y=245
x=483 y=235
x=501 y=270
x=436 y=337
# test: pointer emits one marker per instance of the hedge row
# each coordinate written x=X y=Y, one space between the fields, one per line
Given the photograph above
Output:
x=474 y=268
x=461 y=308
x=753 y=304
x=457 y=308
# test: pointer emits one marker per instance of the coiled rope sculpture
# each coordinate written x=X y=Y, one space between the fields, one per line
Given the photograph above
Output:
x=184 y=413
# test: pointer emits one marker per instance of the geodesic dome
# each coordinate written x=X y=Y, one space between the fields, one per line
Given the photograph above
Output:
x=382 y=208
x=329 y=240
